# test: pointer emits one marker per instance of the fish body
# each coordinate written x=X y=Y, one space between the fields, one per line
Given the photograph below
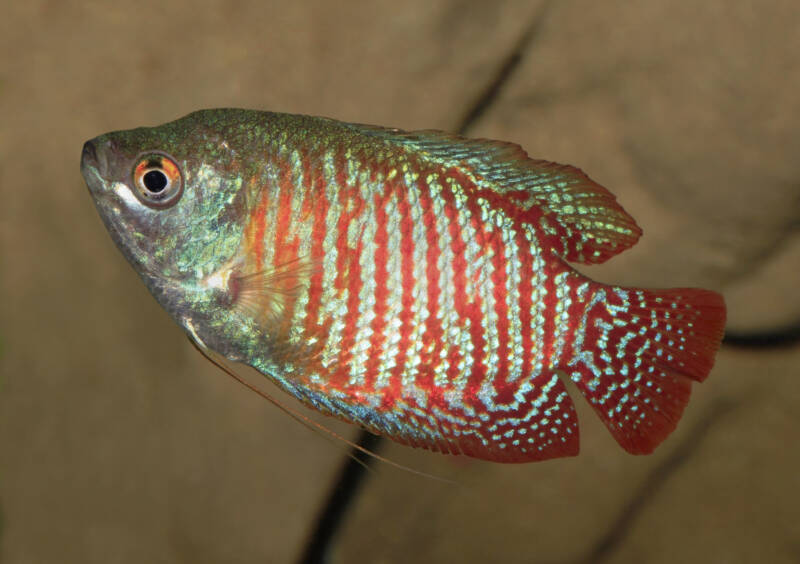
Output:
x=414 y=283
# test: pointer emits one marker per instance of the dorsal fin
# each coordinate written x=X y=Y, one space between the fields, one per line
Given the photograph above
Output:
x=587 y=219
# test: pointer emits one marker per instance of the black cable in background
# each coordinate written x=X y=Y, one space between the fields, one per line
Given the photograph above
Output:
x=771 y=339
x=344 y=492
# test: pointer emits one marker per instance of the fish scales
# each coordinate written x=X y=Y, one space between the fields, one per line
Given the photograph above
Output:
x=413 y=283
x=489 y=337
x=488 y=340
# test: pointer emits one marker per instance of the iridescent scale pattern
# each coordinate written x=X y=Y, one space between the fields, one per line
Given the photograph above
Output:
x=416 y=284
x=422 y=305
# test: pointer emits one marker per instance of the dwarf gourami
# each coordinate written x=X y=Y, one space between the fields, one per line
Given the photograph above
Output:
x=414 y=283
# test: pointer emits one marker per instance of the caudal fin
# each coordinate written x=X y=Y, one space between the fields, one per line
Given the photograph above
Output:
x=639 y=352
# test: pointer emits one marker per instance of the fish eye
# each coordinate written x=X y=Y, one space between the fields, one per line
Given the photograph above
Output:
x=157 y=180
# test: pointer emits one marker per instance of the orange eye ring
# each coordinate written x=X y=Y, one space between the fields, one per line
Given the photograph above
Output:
x=157 y=180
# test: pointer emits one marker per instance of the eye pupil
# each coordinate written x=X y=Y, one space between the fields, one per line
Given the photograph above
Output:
x=155 y=181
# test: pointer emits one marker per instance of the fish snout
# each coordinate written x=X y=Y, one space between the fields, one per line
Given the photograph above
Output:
x=89 y=154
x=94 y=163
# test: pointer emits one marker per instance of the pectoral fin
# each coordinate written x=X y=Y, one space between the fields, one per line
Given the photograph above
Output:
x=267 y=295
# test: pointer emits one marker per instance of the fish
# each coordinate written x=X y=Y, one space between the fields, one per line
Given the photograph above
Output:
x=415 y=283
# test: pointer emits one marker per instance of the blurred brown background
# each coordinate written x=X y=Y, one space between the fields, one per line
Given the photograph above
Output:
x=118 y=443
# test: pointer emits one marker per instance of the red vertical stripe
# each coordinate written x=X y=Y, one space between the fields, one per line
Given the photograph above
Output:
x=378 y=325
x=473 y=310
x=320 y=209
x=407 y=300
x=433 y=334
x=525 y=301
x=500 y=293
x=348 y=273
x=467 y=307
x=286 y=245
x=258 y=225
x=550 y=301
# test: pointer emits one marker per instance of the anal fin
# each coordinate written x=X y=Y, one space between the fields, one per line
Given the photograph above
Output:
x=538 y=423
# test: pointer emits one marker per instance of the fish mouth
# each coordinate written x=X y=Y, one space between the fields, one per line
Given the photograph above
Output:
x=94 y=167
x=89 y=155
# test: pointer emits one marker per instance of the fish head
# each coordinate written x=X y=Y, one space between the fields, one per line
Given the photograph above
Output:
x=171 y=197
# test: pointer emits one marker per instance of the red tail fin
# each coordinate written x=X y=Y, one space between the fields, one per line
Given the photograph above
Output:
x=639 y=352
